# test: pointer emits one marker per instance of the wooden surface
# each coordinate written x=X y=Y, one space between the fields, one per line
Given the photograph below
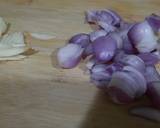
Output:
x=34 y=94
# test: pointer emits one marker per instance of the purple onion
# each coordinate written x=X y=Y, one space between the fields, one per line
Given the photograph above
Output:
x=117 y=17
x=118 y=39
x=101 y=73
x=127 y=45
x=130 y=60
x=149 y=58
x=104 y=48
x=69 y=56
x=96 y=34
x=87 y=51
x=121 y=57
x=91 y=63
x=139 y=78
x=151 y=74
x=126 y=85
x=90 y=16
x=125 y=26
x=154 y=22
x=99 y=76
x=106 y=19
x=81 y=39
x=142 y=37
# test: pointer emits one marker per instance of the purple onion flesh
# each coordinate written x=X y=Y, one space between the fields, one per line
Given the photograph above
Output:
x=121 y=56
x=104 y=48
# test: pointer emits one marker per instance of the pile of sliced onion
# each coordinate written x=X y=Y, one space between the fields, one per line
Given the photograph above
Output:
x=122 y=55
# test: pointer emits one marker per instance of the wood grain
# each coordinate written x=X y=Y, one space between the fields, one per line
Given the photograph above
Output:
x=35 y=94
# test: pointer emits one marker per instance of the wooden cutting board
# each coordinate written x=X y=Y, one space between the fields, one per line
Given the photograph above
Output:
x=35 y=94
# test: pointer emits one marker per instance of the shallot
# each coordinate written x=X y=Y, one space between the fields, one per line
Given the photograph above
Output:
x=122 y=57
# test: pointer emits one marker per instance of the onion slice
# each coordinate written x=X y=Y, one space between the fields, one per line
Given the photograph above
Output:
x=96 y=34
x=3 y=26
x=149 y=58
x=104 y=48
x=154 y=22
x=151 y=74
x=121 y=88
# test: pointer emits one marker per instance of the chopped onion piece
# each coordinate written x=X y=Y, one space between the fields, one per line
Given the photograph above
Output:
x=154 y=22
x=121 y=88
x=142 y=36
x=149 y=58
x=151 y=74
x=42 y=36
x=104 y=48
x=96 y=34
x=81 y=39
x=131 y=60
x=69 y=56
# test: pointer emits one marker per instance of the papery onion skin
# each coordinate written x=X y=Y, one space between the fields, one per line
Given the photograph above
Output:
x=104 y=48
x=3 y=26
x=69 y=56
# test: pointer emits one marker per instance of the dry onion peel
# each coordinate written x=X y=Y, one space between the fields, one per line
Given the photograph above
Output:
x=3 y=26
x=41 y=36
x=18 y=57
x=12 y=44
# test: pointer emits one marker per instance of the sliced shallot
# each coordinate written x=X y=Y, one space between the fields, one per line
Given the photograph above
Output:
x=104 y=48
